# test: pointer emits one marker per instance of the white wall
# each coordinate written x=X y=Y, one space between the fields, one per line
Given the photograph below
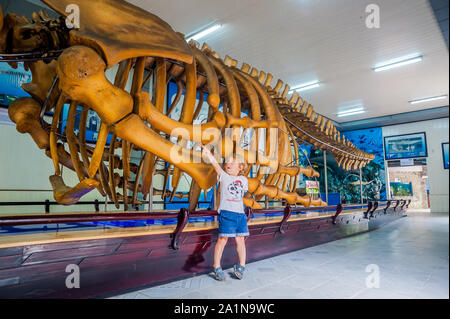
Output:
x=24 y=175
x=25 y=171
x=437 y=133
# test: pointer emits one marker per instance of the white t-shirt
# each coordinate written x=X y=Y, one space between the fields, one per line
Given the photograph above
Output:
x=232 y=190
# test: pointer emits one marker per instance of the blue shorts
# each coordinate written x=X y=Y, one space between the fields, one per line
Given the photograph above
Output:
x=232 y=224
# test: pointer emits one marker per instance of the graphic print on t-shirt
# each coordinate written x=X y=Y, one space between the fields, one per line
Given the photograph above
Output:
x=232 y=190
x=236 y=189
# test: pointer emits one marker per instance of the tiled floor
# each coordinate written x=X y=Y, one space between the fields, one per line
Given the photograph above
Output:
x=410 y=255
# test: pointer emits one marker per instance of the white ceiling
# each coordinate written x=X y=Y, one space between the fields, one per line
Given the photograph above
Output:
x=304 y=40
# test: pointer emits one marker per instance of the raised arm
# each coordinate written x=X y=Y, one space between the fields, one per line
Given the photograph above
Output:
x=206 y=152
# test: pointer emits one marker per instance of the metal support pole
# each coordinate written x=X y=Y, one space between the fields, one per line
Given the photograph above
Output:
x=360 y=184
x=216 y=204
x=388 y=182
x=150 y=199
x=215 y=197
x=326 y=175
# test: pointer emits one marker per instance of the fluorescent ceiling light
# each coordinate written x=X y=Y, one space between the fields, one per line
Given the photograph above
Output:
x=428 y=99
x=354 y=111
x=305 y=86
x=397 y=63
x=204 y=32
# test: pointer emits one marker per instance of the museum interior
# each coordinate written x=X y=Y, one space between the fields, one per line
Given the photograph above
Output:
x=138 y=136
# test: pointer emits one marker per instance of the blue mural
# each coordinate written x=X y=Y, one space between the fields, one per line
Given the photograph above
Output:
x=373 y=175
x=344 y=186
x=304 y=154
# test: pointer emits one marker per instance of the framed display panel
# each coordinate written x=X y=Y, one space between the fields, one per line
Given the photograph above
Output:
x=445 y=155
x=401 y=189
x=405 y=146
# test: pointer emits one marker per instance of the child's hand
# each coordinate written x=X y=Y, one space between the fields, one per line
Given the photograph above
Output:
x=206 y=152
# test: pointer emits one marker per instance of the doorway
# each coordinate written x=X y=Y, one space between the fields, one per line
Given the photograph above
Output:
x=409 y=180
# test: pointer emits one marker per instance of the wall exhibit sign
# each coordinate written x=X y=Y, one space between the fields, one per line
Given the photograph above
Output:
x=405 y=146
x=312 y=187
x=445 y=155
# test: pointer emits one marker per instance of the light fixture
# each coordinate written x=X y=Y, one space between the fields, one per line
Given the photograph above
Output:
x=305 y=86
x=204 y=32
x=354 y=111
x=397 y=63
x=428 y=99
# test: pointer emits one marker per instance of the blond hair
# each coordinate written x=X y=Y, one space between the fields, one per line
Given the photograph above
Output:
x=240 y=159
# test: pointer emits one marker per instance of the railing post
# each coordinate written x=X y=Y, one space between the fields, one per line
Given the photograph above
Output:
x=375 y=206
x=249 y=213
x=96 y=205
x=409 y=202
x=387 y=206
x=287 y=214
x=47 y=206
x=339 y=209
x=183 y=218
x=369 y=208
x=398 y=203
x=403 y=205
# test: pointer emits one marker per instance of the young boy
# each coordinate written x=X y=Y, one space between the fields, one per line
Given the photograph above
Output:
x=232 y=218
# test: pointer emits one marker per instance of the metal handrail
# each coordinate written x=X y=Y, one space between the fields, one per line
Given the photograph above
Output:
x=47 y=203
x=30 y=56
x=91 y=217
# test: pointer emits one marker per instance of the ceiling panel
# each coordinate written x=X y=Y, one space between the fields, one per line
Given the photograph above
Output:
x=305 y=40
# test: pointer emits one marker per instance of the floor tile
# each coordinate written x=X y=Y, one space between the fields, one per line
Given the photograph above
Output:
x=409 y=258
